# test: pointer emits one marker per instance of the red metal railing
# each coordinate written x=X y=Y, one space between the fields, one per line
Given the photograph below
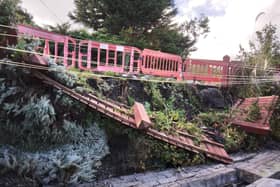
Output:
x=68 y=44
x=92 y=55
x=104 y=57
x=161 y=64
x=211 y=71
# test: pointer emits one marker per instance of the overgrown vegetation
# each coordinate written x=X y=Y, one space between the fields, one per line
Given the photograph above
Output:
x=234 y=138
x=55 y=140
x=254 y=112
x=274 y=122
x=259 y=62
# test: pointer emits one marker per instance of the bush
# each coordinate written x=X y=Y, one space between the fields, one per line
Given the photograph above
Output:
x=234 y=138
x=211 y=118
x=46 y=144
x=275 y=123
x=62 y=75
x=157 y=101
x=254 y=112
x=72 y=163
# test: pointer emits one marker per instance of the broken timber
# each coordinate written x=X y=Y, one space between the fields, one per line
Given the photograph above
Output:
x=140 y=119
x=261 y=125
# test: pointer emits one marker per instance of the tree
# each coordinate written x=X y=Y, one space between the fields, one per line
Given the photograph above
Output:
x=140 y=15
x=264 y=51
x=12 y=13
x=142 y=23
x=176 y=39
x=258 y=63
x=181 y=39
x=63 y=28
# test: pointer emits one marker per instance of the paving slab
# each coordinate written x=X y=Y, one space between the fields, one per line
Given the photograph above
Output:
x=266 y=165
x=248 y=167
x=265 y=182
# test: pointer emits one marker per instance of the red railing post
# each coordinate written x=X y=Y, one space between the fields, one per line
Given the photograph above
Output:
x=89 y=56
x=131 y=61
x=55 y=51
x=65 y=52
x=47 y=48
x=226 y=60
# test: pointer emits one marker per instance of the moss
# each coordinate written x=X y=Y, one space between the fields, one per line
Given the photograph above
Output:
x=110 y=73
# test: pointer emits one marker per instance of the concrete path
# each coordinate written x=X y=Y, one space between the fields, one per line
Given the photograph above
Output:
x=249 y=168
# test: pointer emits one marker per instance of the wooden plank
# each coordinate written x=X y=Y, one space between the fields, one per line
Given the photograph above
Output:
x=142 y=119
x=210 y=148
x=260 y=126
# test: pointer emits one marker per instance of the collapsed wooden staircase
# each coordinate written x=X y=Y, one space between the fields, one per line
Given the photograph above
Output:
x=137 y=118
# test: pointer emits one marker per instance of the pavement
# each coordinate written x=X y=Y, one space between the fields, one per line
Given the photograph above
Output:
x=257 y=170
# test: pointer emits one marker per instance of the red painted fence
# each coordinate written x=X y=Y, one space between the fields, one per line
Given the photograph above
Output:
x=96 y=56
x=161 y=64
x=211 y=71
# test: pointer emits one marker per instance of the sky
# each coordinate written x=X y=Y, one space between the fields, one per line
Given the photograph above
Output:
x=232 y=22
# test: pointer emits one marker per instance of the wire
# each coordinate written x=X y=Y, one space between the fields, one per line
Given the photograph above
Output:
x=16 y=28
x=95 y=63
x=227 y=77
x=8 y=26
x=24 y=65
x=50 y=10
x=234 y=66
x=233 y=79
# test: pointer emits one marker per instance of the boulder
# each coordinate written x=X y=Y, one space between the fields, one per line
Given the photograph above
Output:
x=213 y=98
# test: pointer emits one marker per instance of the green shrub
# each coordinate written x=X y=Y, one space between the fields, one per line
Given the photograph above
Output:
x=254 y=112
x=110 y=73
x=157 y=101
x=130 y=100
x=275 y=123
x=211 y=118
x=234 y=138
x=54 y=138
x=170 y=155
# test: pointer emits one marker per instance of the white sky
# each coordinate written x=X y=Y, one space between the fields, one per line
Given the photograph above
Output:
x=232 y=22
